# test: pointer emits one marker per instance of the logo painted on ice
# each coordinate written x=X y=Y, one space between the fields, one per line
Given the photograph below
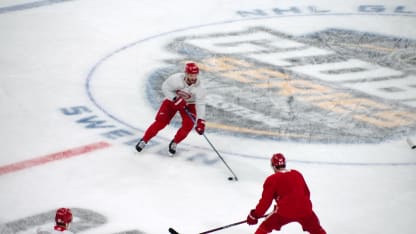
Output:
x=84 y=220
x=328 y=85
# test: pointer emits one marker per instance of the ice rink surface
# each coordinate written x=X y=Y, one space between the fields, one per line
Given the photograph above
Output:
x=330 y=85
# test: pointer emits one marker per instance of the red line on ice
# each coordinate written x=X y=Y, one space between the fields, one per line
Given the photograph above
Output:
x=52 y=157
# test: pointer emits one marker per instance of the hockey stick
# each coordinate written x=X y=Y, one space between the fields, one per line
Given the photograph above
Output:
x=173 y=231
x=223 y=227
x=212 y=146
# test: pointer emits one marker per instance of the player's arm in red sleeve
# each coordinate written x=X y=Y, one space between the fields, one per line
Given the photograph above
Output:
x=307 y=192
x=267 y=197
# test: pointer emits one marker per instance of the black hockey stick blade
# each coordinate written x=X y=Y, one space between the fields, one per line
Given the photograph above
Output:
x=172 y=231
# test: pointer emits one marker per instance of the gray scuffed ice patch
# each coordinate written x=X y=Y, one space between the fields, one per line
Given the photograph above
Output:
x=83 y=220
x=5 y=230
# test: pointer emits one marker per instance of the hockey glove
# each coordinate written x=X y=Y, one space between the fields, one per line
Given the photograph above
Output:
x=200 y=126
x=179 y=103
x=252 y=218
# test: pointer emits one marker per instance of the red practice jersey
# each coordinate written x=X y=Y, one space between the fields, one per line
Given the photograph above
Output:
x=288 y=188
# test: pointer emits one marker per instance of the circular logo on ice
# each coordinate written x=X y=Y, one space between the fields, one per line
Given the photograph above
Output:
x=285 y=77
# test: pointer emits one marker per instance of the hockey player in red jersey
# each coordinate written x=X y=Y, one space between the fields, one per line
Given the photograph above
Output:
x=184 y=93
x=288 y=188
x=63 y=219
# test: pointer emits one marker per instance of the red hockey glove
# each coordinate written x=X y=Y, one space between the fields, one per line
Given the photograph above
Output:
x=252 y=218
x=200 y=126
x=179 y=103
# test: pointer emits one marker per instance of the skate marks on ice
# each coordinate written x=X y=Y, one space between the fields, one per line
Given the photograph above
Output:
x=30 y=5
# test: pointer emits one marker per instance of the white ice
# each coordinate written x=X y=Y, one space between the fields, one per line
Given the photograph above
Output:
x=46 y=54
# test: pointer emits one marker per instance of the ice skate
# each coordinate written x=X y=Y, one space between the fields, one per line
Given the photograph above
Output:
x=172 y=147
x=140 y=145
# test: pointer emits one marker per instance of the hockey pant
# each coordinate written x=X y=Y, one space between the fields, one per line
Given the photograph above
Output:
x=163 y=117
x=309 y=223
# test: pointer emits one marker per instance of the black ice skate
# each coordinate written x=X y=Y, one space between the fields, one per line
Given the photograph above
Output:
x=140 y=145
x=172 y=147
